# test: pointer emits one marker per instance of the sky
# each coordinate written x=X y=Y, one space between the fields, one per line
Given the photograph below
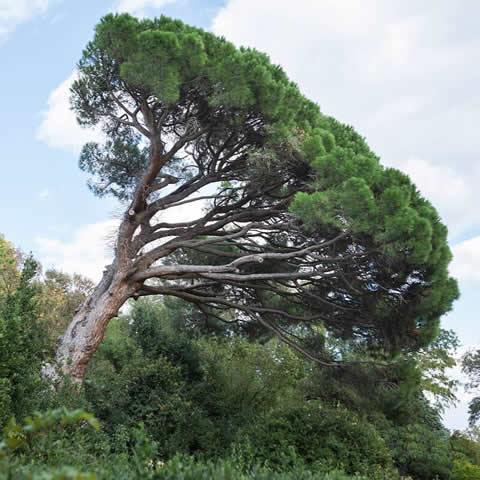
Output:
x=403 y=73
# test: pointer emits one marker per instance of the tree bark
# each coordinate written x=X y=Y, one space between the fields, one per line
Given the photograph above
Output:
x=87 y=328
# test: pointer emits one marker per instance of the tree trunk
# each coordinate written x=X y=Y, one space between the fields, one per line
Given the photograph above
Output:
x=87 y=328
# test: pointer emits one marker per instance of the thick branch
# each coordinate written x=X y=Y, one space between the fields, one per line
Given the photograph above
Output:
x=211 y=271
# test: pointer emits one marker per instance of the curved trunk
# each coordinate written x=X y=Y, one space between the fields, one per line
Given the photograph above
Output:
x=87 y=328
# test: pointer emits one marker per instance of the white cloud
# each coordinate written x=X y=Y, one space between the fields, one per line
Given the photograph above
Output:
x=406 y=80
x=90 y=247
x=466 y=260
x=186 y=212
x=87 y=253
x=450 y=190
x=137 y=7
x=396 y=71
x=59 y=127
x=44 y=194
x=15 y=12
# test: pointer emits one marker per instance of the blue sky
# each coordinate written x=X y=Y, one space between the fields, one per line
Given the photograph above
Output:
x=404 y=74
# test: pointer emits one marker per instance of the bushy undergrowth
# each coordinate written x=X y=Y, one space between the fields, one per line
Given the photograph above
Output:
x=53 y=437
x=21 y=348
x=177 y=404
x=322 y=437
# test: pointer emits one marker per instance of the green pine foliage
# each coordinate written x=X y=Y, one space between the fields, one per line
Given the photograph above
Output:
x=385 y=212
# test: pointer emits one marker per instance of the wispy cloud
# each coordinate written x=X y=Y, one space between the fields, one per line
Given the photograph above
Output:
x=396 y=71
x=15 y=12
x=86 y=253
x=59 y=127
x=449 y=190
x=90 y=246
x=44 y=194
x=466 y=260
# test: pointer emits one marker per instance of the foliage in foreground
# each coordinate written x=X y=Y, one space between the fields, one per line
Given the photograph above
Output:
x=50 y=430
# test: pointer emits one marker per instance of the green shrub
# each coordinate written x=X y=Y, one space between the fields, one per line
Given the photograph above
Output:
x=322 y=438
x=464 y=470
x=184 y=468
x=21 y=349
x=192 y=395
x=54 y=429
x=26 y=450
x=421 y=452
x=465 y=447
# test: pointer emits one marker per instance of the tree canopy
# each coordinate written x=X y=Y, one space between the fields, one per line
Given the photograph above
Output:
x=471 y=367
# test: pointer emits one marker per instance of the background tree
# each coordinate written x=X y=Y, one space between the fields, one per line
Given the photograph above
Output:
x=22 y=346
x=59 y=297
x=471 y=367
x=434 y=361
x=10 y=260
x=307 y=228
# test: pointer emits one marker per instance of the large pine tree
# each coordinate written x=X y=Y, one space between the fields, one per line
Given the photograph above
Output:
x=302 y=231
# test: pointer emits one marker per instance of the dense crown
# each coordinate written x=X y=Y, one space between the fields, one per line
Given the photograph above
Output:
x=306 y=233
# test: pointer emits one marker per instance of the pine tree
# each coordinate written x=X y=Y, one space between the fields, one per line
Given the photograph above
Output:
x=309 y=234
